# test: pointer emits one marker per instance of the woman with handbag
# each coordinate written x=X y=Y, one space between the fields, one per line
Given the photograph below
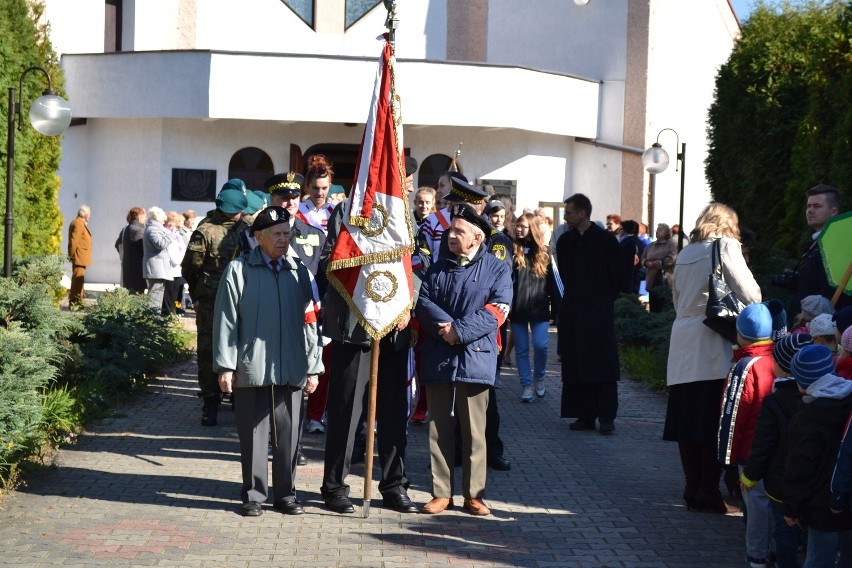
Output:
x=699 y=358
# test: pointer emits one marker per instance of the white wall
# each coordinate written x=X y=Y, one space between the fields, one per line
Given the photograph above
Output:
x=688 y=41
x=76 y=27
x=557 y=35
x=118 y=164
x=205 y=85
x=154 y=24
x=115 y=165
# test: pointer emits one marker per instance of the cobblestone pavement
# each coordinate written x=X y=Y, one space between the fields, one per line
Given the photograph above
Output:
x=152 y=487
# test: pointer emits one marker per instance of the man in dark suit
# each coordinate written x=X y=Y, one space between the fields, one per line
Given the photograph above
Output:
x=590 y=266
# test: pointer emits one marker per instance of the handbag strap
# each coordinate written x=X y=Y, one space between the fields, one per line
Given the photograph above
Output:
x=716 y=258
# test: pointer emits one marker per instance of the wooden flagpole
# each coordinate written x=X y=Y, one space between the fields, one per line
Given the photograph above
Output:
x=371 y=427
x=391 y=23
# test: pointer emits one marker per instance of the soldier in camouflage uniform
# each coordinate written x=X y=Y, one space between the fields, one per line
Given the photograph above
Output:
x=211 y=247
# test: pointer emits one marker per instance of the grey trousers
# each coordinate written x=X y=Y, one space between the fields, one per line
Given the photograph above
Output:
x=156 y=289
x=471 y=403
x=253 y=407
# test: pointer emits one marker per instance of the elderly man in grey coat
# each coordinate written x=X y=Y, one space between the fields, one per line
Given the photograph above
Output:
x=267 y=351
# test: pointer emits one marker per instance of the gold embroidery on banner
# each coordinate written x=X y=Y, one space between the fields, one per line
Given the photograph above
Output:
x=381 y=286
x=378 y=221
x=376 y=334
x=370 y=258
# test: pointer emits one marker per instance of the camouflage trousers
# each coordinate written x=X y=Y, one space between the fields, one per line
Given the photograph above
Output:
x=208 y=379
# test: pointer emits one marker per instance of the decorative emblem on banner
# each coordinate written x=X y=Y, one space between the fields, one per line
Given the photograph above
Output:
x=381 y=286
x=378 y=221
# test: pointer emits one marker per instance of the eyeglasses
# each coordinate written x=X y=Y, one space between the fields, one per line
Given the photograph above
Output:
x=524 y=227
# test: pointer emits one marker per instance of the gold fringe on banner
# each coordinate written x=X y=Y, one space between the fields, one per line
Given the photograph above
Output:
x=359 y=222
x=372 y=258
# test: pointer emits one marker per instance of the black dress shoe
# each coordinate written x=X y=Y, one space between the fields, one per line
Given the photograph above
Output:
x=581 y=424
x=340 y=504
x=499 y=463
x=252 y=509
x=607 y=427
x=301 y=459
x=289 y=507
x=399 y=502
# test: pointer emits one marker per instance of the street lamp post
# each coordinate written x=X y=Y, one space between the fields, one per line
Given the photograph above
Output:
x=50 y=115
x=655 y=161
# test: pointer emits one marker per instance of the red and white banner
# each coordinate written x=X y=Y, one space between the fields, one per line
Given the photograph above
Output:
x=370 y=264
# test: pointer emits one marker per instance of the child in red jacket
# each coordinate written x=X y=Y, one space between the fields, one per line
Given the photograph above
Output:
x=749 y=382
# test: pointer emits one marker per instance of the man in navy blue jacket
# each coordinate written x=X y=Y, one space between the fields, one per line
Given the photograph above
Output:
x=464 y=299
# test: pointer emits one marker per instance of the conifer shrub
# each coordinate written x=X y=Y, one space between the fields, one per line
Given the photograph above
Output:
x=25 y=372
x=44 y=269
x=59 y=368
x=125 y=345
x=643 y=340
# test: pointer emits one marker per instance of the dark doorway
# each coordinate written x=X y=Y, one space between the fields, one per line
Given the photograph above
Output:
x=252 y=165
x=343 y=158
x=431 y=169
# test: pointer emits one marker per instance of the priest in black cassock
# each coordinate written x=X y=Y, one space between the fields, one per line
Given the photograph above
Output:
x=589 y=263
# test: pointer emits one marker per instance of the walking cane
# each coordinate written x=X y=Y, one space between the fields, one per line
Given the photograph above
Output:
x=371 y=432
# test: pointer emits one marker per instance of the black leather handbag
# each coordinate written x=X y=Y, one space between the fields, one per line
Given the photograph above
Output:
x=723 y=306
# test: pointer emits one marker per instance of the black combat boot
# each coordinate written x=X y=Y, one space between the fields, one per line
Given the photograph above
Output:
x=210 y=410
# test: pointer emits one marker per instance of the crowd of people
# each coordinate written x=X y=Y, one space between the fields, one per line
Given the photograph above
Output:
x=776 y=414
x=771 y=411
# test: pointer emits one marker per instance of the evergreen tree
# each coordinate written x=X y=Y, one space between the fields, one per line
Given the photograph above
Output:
x=24 y=43
x=781 y=120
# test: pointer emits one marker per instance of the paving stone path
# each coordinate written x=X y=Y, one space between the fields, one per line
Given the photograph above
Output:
x=152 y=487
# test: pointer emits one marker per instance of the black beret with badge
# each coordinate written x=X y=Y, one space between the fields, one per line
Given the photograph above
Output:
x=288 y=184
x=469 y=214
x=461 y=190
x=269 y=217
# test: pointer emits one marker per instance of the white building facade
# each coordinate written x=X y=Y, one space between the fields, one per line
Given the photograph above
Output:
x=173 y=97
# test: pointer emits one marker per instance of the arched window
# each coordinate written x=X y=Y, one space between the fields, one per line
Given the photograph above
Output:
x=357 y=9
x=431 y=169
x=252 y=165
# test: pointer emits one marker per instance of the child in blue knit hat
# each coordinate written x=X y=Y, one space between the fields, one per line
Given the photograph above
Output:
x=814 y=439
x=749 y=382
x=766 y=460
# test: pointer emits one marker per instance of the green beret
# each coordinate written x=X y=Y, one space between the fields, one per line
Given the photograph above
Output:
x=234 y=183
x=263 y=195
x=255 y=203
x=231 y=201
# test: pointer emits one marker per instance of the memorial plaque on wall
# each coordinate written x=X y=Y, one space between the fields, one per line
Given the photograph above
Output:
x=193 y=185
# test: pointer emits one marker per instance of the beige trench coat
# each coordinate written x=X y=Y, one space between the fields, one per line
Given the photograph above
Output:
x=695 y=352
